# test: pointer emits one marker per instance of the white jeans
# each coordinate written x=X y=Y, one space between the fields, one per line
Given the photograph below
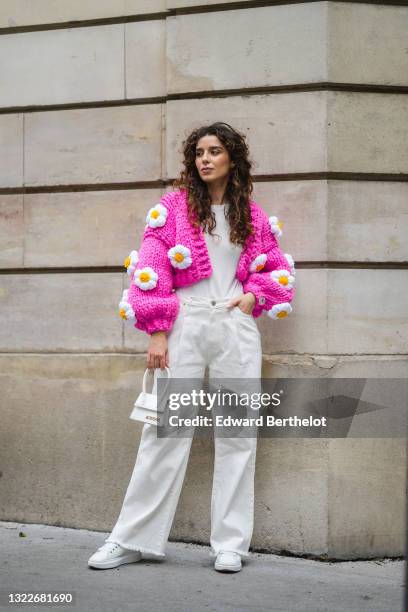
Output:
x=205 y=332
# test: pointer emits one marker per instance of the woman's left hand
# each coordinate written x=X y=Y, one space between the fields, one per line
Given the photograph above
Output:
x=245 y=302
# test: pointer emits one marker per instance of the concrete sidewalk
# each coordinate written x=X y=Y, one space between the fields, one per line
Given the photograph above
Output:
x=55 y=559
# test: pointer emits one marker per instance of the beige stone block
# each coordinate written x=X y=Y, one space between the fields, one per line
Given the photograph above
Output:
x=371 y=366
x=361 y=210
x=145 y=58
x=367 y=488
x=65 y=416
x=271 y=45
x=11 y=150
x=367 y=43
x=366 y=311
x=11 y=231
x=336 y=311
x=188 y=3
x=111 y=225
x=357 y=211
x=342 y=311
x=136 y=7
x=335 y=366
x=358 y=43
x=69 y=413
x=303 y=132
x=62 y=66
x=93 y=145
x=285 y=132
x=302 y=208
x=367 y=132
x=305 y=329
x=61 y=312
x=336 y=220
x=291 y=496
x=15 y=13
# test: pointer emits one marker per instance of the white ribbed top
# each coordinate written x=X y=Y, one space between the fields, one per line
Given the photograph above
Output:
x=224 y=258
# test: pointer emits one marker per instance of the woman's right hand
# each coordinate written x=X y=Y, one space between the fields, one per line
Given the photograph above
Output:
x=157 y=353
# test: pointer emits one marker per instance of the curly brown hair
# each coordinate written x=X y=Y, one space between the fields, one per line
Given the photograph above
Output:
x=238 y=189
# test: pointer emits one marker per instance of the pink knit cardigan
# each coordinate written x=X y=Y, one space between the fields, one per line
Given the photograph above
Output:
x=174 y=254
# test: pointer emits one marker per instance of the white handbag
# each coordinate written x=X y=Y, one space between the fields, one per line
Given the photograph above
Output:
x=146 y=408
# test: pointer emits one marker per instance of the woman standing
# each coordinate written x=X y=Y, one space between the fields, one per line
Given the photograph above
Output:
x=197 y=294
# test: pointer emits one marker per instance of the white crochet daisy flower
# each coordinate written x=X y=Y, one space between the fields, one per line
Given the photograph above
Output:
x=130 y=263
x=146 y=278
x=180 y=256
x=279 y=311
x=258 y=263
x=276 y=226
x=291 y=263
x=156 y=217
x=284 y=278
x=125 y=309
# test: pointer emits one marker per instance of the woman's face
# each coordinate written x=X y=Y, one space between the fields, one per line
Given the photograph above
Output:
x=212 y=159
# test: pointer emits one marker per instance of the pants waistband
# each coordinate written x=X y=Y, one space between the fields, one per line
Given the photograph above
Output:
x=206 y=302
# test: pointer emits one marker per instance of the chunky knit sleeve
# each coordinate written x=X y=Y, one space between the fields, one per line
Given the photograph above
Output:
x=272 y=273
x=150 y=302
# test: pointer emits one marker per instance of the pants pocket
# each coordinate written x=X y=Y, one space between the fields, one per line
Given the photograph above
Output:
x=248 y=343
x=244 y=314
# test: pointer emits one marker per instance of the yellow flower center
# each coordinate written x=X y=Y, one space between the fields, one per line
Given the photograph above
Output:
x=122 y=313
x=259 y=267
x=280 y=224
x=283 y=280
x=154 y=214
x=179 y=257
x=282 y=314
x=127 y=262
x=144 y=277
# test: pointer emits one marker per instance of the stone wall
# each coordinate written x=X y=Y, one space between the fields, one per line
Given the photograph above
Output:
x=95 y=100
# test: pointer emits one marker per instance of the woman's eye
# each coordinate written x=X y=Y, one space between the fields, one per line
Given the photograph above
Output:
x=216 y=152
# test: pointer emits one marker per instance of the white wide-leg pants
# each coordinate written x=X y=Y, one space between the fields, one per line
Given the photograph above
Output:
x=205 y=332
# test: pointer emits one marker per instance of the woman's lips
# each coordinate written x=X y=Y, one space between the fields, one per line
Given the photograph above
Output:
x=207 y=169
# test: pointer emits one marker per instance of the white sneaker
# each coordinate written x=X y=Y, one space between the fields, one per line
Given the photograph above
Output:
x=228 y=561
x=111 y=555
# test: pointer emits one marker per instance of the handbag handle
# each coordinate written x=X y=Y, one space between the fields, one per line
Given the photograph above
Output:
x=147 y=372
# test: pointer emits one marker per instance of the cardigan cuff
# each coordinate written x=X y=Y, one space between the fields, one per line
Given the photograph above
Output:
x=153 y=325
x=260 y=298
